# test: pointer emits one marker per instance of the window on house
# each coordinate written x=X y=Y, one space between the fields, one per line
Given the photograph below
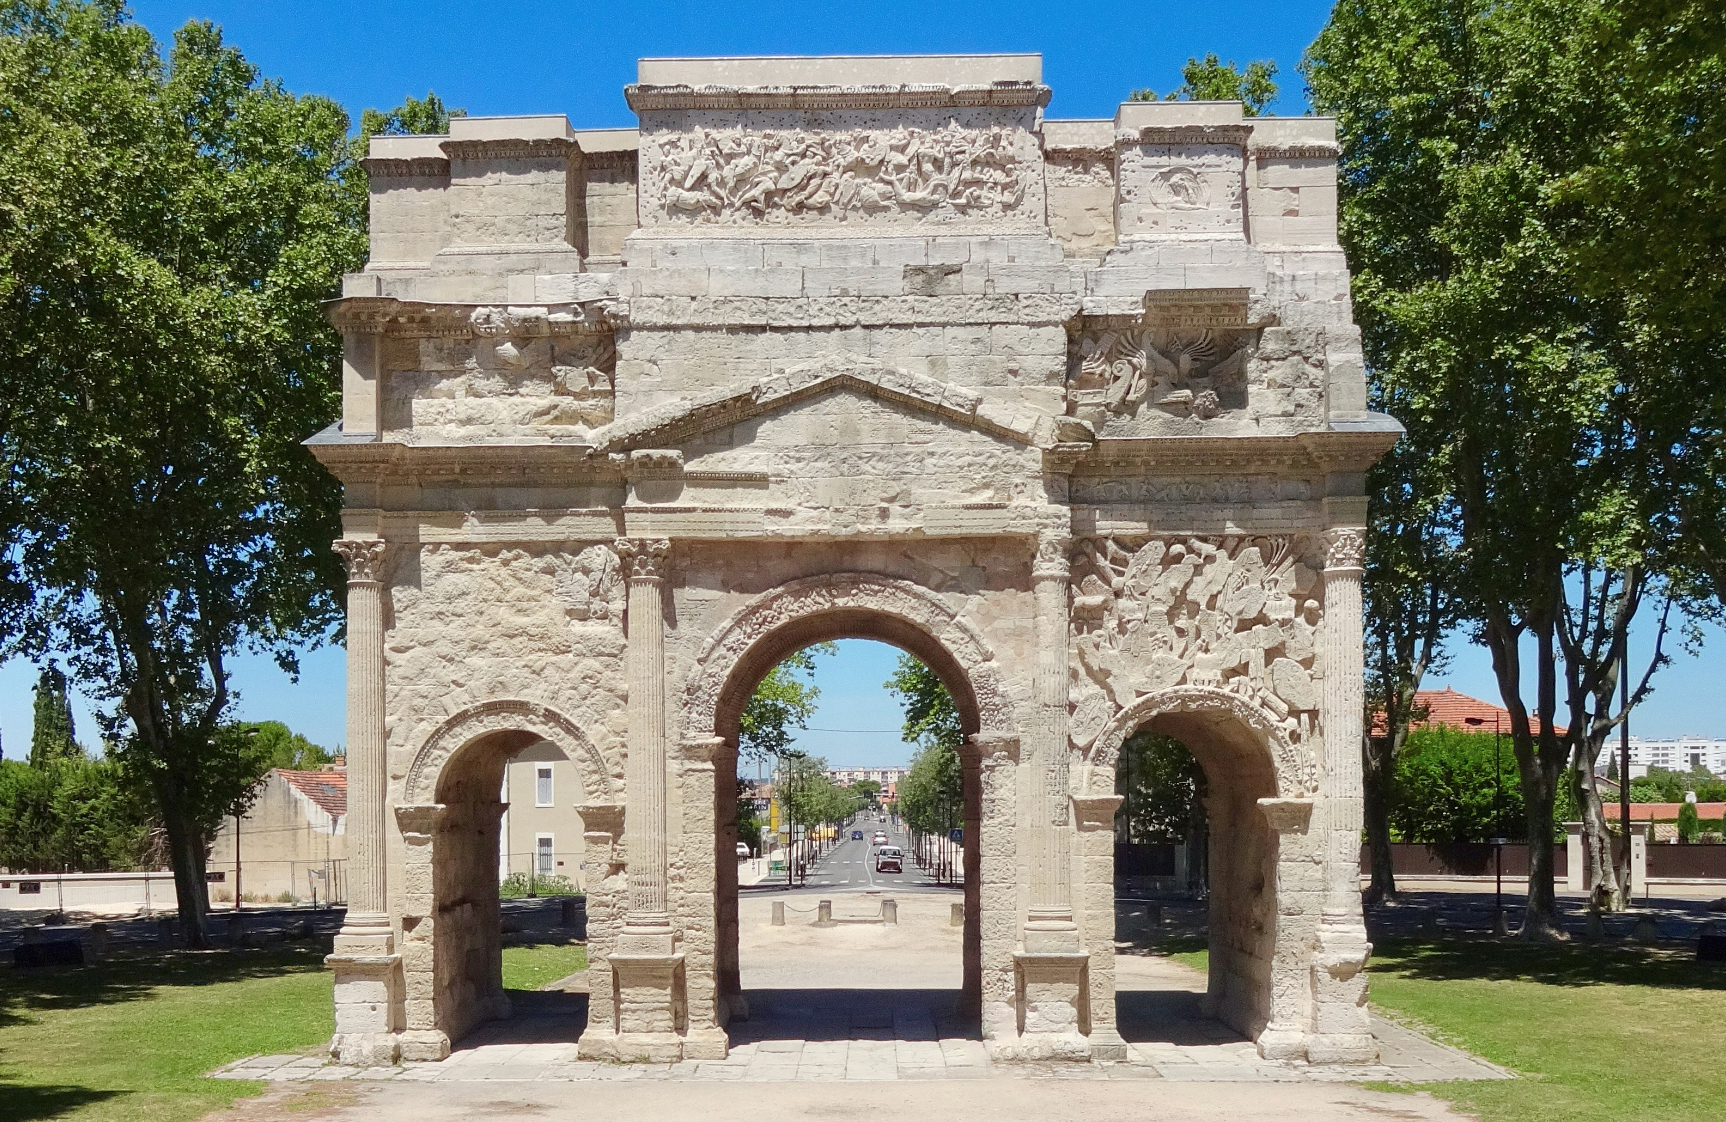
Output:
x=542 y=786
x=545 y=855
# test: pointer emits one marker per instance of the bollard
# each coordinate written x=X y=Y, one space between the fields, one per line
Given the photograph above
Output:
x=779 y=913
x=1647 y=929
x=98 y=940
x=1596 y=927
x=890 y=912
x=236 y=930
x=824 y=914
x=1154 y=915
x=957 y=919
x=167 y=931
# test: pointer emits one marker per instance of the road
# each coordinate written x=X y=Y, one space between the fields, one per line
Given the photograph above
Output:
x=850 y=865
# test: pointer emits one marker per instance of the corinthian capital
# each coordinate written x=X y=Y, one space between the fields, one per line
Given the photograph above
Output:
x=1052 y=560
x=643 y=558
x=363 y=556
x=1347 y=548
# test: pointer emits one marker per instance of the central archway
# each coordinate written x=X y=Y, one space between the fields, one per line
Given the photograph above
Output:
x=787 y=619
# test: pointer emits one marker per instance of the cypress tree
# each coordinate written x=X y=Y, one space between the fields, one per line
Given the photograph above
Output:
x=53 y=737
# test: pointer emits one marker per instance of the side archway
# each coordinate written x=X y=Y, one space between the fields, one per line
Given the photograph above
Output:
x=1208 y=716
x=526 y=721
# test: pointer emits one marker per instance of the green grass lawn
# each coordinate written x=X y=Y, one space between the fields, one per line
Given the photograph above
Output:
x=130 y=1040
x=1598 y=1033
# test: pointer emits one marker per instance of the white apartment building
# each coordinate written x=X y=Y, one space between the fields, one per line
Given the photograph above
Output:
x=888 y=777
x=1679 y=753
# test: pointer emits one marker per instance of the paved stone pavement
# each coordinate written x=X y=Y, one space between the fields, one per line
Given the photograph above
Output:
x=862 y=1003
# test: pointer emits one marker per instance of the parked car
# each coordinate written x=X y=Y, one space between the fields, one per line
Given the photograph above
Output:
x=856 y=835
x=742 y=852
x=889 y=859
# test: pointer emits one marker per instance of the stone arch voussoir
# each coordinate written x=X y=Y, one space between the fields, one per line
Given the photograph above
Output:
x=1297 y=775
x=506 y=715
x=728 y=644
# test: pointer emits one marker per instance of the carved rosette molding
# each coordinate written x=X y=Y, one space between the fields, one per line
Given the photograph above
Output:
x=644 y=558
x=786 y=176
x=1296 y=771
x=1297 y=151
x=423 y=167
x=1187 y=134
x=1347 y=549
x=364 y=557
x=547 y=148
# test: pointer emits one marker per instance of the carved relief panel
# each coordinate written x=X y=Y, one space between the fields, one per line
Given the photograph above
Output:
x=1185 y=357
x=1183 y=183
x=880 y=172
x=1238 y=614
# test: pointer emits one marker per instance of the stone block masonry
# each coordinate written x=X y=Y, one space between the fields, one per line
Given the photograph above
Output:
x=1074 y=411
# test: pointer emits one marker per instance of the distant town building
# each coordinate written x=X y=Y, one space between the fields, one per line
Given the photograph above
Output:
x=888 y=777
x=1677 y=753
x=541 y=834
x=292 y=842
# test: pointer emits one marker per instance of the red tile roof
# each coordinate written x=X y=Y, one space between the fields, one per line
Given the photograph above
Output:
x=1458 y=710
x=1665 y=812
x=329 y=789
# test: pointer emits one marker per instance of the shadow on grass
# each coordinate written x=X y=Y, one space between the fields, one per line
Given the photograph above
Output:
x=128 y=979
x=1555 y=964
x=22 y=1102
x=1167 y=944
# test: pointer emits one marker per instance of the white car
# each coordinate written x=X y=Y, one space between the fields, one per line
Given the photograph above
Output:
x=879 y=838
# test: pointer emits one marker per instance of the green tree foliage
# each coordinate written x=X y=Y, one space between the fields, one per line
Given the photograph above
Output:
x=53 y=736
x=168 y=232
x=1448 y=788
x=808 y=796
x=1162 y=785
x=413 y=117
x=931 y=795
x=930 y=715
x=282 y=747
x=70 y=813
x=783 y=701
x=1211 y=79
x=1542 y=401
x=1689 y=826
x=1663 y=786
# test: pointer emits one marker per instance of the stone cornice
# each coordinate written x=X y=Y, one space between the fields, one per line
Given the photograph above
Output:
x=548 y=148
x=1236 y=135
x=385 y=315
x=645 y=98
x=1297 y=453
x=1296 y=151
x=425 y=167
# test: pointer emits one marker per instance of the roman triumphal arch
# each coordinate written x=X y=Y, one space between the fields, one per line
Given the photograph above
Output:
x=1073 y=410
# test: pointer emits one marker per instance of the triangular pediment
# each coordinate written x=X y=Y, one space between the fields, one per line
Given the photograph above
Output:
x=677 y=422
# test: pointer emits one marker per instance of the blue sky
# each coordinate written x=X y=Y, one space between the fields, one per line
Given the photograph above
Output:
x=575 y=58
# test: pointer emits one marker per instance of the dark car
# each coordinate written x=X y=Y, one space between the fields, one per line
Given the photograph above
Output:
x=856 y=835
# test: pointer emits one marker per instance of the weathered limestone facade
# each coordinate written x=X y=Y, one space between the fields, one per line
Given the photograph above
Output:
x=1072 y=410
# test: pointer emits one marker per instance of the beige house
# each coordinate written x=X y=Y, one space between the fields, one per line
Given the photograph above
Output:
x=540 y=832
x=1074 y=411
x=292 y=842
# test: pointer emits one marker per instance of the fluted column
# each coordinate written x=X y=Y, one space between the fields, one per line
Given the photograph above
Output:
x=644 y=830
x=1342 y=1031
x=1344 y=720
x=1051 y=886
x=368 y=895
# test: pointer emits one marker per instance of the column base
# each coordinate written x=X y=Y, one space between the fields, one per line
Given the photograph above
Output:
x=1282 y=1042
x=366 y=1049
x=1107 y=1046
x=424 y=1046
x=631 y=1047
